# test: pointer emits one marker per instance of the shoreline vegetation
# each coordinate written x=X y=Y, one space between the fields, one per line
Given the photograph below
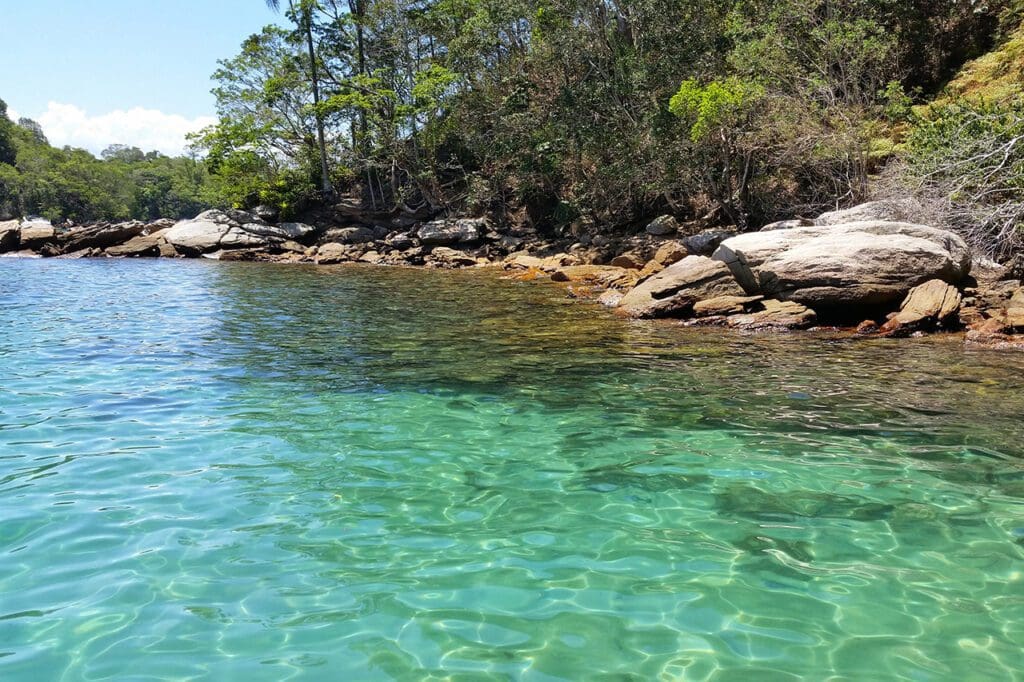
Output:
x=667 y=159
x=868 y=269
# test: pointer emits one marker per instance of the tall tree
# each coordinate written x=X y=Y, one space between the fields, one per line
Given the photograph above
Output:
x=303 y=16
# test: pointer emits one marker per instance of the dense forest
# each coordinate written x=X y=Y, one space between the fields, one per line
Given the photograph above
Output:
x=72 y=184
x=583 y=115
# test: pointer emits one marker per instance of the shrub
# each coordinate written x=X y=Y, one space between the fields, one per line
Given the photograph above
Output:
x=966 y=160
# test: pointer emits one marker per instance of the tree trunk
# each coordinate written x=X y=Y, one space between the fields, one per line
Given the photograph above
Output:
x=325 y=176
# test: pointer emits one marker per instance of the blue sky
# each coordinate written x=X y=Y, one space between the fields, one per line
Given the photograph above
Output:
x=98 y=72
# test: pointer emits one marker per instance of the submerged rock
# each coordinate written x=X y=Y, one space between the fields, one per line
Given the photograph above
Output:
x=611 y=298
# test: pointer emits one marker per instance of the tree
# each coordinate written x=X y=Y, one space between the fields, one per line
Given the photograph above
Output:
x=719 y=116
x=303 y=16
x=8 y=153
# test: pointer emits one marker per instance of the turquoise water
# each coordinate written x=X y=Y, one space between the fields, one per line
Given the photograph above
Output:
x=250 y=472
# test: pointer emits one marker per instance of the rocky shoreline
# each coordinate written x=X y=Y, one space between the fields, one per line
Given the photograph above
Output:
x=870 y=269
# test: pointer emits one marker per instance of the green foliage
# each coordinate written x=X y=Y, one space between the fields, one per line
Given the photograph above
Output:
x=72 y=184
x=897 y=104
x=718 y=106
x=570 y=112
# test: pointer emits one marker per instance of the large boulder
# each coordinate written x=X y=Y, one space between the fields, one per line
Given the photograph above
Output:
x=333 y=253
x=143 y=246
x=449 y=232
x=205 y=236
x=36 y=232
x=10 y=235
x=889 y=210
x=101 y=236
x=216 y=230
x=673 y=291
x=298 y=232
x=858 y=264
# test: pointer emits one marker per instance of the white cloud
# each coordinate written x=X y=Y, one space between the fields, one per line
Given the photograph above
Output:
x=147 y=129
x=13 y=114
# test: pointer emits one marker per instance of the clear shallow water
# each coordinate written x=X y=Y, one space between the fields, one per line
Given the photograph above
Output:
x=248 y=472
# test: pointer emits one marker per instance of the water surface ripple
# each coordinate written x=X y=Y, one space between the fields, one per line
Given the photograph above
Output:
x=236 y=471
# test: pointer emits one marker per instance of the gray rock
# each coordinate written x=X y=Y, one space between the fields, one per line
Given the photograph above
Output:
x=889 y=210
x=215 y=230
x=240 y=217
x=142 y=246
x=704 y=243
x=350 y=235
x=662 y=226
x=869 y=263
x=267 y=214
x=673 y=291
x=239 y=238
x=215 y=215
x=101 y=236
x=787 y=224
x=987 y=270
x=331 y=253
x=294 y=231
x=449 y=232
x=400 y=241
x=197 y=236
x=450 y=258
